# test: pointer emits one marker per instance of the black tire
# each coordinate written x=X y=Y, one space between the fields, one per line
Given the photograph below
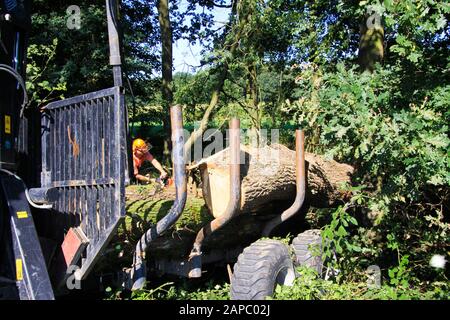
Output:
x=307 y=247
x=260 y=267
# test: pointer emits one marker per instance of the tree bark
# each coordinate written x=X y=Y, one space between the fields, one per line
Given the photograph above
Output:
x=167 y=66
x=267 y=175
x=371 y=49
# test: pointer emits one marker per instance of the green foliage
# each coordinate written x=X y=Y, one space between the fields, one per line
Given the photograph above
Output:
x=308 y=286
x=175 y=291
x=215 y=292
x=415 y=23
x=81 y=57
x=335 y=239
x=192 y=90
x=400 y=275
x=397 y=140
x=398 y=149
x=43 y=85
x=150 y=294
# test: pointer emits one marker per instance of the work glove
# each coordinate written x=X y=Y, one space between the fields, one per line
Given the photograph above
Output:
x=163 y=175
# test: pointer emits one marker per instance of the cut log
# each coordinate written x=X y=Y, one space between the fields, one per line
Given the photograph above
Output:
x=267 y=175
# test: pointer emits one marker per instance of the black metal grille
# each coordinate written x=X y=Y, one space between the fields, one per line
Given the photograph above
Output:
x=84 y=156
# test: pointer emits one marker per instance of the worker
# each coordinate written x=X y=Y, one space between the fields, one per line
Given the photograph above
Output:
x=140 y=154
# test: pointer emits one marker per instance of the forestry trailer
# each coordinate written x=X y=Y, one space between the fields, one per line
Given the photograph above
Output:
x=63 y=172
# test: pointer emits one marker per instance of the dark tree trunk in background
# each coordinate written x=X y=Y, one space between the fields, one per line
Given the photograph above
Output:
x=255 y=110
x=371 y=49
x=167 y=65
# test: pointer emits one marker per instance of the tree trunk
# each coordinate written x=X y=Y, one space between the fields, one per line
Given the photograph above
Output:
x=371 y=49
x=268 y=175
x=255 y=111
x=167 y=65
x=223 y=72
x=198 y=133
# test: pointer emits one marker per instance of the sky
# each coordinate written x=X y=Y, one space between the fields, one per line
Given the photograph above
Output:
x=186 y=55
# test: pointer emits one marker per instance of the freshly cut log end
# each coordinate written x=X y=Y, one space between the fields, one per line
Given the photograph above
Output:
x=267 y=175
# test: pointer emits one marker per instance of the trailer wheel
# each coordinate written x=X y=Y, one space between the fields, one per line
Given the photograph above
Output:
x=308 y=250
x=260 y=267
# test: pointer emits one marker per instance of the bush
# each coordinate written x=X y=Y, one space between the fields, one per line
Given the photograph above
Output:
x=398 y=142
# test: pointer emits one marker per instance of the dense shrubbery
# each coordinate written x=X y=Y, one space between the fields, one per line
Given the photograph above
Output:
x=398 y=142
x=400 y=150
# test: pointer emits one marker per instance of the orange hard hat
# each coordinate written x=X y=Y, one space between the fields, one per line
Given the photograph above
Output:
x=139 y=144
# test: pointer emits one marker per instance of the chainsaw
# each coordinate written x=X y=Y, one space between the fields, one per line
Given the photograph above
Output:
x=160 y=184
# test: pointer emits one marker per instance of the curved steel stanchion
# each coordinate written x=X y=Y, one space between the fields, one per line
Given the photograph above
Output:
x=138 y=271
x=233 y=206
x=300 y=183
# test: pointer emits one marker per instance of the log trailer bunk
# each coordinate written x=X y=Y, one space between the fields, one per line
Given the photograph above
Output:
x=63 y=172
